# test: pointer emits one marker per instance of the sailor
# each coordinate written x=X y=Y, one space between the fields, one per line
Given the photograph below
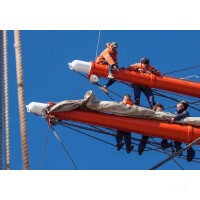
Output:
x=181 y=113
x=158 y=108
x=143 y=67
x=109 y=56
x=123 y=134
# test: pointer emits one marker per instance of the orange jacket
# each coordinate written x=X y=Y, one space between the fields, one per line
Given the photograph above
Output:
x=130 y=102
x=109 y=55
x=135 y=67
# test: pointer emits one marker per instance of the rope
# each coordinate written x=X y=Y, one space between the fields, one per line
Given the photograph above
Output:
x=181 y=70
x=149 y=149
x=179 y=95
x=191 y=76
x=6 y=101
x=88 y=135
x=175 y=154
x=97 y=84
x=177 y=100
x=98 y=44
x=78 y=89
x=63 y=147
x=112 y=92
x=21 y=99
x=1 y=98
x=101 y=139
x=167 y=152
x=44 y=147
x=172 y=158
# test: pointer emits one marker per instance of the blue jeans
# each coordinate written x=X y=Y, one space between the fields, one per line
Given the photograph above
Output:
x=147 y=91
x=126 y=135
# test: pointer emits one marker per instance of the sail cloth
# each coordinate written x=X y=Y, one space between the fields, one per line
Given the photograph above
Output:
x=91 y=103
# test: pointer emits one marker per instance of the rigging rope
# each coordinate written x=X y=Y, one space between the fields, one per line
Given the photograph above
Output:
x=191 y=76
x=101 y=139
x=177 y=100
x=85 y=83
x=1 y=45
x=181 y=69
x=175 y=94
x=64 y=147
x=98 y=44
x=44 y=147
x=6 y=101
x=97 y=84
x=107 y=133
x=175 y=154
x=67 y=125
x=172 y=158
x=20 y=86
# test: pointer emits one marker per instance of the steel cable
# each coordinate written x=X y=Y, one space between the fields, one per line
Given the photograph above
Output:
x=181 y=70
x=64 y=147
x=44 y=147
x=98 y=44
x=167 y=152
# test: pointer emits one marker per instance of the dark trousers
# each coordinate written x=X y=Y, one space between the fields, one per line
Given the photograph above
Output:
x=143 y=141
x=110 y=82
x=177 y=145
x=126 y=135
x=147 y=91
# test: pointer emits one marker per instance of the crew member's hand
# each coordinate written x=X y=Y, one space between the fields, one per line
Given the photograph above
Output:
x=149 y=72
x=141 y=70
x=128 y=106
x=115 y=67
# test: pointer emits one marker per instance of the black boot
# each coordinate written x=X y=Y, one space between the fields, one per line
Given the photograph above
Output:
x=164 y=144
x=129 y=149
x=137 y=101
x=142 y=144
x=190 y=154
x=120 y=145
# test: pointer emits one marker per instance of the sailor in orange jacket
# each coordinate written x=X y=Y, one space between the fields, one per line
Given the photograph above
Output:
x=109 y=56
x=143 y=67
x=123 y=134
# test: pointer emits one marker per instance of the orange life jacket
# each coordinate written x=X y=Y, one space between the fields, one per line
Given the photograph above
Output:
x=109 y=55
x=130 y=102
x=136 y=66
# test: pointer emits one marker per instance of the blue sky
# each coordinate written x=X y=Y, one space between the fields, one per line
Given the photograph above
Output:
x=47 y=77
x=45 y=55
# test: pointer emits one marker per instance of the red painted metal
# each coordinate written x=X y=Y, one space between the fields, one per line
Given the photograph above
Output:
x=181 y=86
x=151 y=128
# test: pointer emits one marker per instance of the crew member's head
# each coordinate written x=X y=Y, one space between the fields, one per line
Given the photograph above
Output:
x=145 y=62
x=158 y=107
x=182 y=105
x=127 y=99
x=114 y=46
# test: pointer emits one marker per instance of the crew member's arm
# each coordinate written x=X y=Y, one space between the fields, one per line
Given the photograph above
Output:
x=108 y=58
x=155 y=71
x=180 y=116
x=183 y=115
x=133 y=67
